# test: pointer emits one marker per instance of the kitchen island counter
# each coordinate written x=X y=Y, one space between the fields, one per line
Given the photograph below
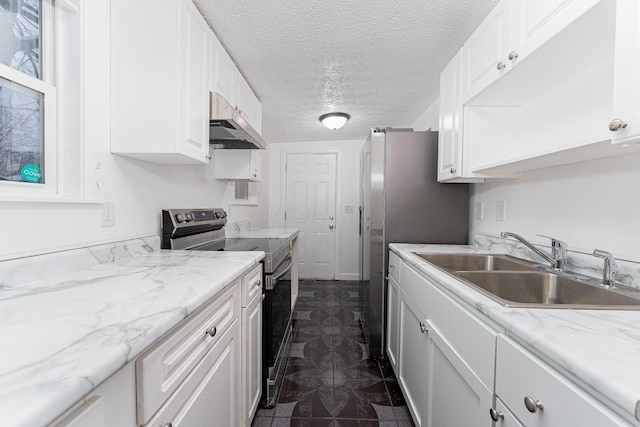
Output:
x=64 y=334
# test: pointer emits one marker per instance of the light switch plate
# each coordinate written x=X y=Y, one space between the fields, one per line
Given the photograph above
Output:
x=501 y=210
x=479 y=211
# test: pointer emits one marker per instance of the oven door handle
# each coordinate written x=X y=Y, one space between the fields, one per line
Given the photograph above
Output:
x=286 y=269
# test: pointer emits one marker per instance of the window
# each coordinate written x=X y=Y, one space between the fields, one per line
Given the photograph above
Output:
x=28 y=149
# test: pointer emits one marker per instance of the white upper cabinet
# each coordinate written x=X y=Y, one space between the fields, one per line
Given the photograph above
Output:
x=238 y=165
x=160 y=74
x=486 y=51
x=625 y=120
x=223 y=71
x=450 y=138
x=536 y=21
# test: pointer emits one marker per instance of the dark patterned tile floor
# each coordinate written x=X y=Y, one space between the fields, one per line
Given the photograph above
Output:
x=329 y=380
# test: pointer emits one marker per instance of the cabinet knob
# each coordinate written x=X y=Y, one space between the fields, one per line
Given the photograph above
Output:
x=532 y=404
x=513 y=55
x=263 y=297
x=392 y=266
x=208 y=157
x=167 y=425
x=617 y=124
x=212 y=331
x=257 y=283
x=423 y=327
x=255 y=175
x=500 y=66
x=452 y=170
x=495 y=414
x=331 y=227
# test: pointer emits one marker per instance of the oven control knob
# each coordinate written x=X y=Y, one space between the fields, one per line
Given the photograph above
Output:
x=188 y=217
x=179 y=218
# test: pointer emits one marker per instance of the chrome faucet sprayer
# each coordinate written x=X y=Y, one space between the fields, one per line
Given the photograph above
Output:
x=610 y=269
x=558 y=256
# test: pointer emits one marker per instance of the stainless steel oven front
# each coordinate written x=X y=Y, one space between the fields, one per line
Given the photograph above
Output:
x=277 y=327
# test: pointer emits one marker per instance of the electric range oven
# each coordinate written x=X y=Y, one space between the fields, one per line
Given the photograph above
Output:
x=203 y=230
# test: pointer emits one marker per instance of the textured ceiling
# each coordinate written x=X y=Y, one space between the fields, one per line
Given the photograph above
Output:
x=377 y=60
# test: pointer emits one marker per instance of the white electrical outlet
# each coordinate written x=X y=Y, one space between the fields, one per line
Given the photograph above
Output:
x=501 y=210
x=479 y=211
x=108 y=214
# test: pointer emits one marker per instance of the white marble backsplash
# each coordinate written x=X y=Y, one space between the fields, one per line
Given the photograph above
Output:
x=588 y=265
x=25 y=270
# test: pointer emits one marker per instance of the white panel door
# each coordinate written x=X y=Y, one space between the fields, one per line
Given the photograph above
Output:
x=311 y=207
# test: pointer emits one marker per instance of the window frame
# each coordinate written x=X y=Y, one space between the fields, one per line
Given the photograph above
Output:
x=52 y=160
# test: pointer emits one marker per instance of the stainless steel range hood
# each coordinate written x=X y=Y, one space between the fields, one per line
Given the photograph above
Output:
x=228 y=129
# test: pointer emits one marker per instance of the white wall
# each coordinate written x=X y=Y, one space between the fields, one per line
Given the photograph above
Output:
x=139 y=189
x=348 y=194
x=589 y=205
x=429 y=119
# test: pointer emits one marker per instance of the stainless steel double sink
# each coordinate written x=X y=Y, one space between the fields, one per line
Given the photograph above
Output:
x=514 y=282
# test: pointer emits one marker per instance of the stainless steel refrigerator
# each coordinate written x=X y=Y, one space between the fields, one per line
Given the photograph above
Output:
x=401 y=202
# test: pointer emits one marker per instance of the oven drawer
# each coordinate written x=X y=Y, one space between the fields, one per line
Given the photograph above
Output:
x=162 y=369
x=251 y=285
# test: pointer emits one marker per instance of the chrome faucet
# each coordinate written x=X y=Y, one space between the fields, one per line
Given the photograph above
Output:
x=558 y=258
x=610 y=269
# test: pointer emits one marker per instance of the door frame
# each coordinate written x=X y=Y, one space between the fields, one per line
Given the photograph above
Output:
x=338 y=220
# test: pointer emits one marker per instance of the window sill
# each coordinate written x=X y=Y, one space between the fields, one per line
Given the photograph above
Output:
x=70 y=200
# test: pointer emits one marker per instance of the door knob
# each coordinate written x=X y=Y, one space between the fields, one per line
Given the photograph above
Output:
x=331 y=227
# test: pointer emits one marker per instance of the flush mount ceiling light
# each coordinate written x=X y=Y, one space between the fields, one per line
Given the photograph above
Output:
x=334 y=120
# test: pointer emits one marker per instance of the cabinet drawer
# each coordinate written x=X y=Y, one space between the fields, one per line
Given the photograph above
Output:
x=160 y=370
x=473 y=340
x=251 y=285
x=394 y=266
x=519 y=374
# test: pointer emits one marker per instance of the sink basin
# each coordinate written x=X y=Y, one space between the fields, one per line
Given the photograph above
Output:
x=548 y=290
x=475 y=262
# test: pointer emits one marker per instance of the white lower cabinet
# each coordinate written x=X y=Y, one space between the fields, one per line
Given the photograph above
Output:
x=457 y=397
x=539 y=397
x=393 y=322
x=209 y=396
x=413 y=361
x=252 y=297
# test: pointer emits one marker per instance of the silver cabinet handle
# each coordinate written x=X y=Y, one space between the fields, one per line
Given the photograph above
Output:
x=168 y=425
x=331 y=227
x=423 y=327
x=513 y=55
x=392 y=266
x=208 y=157
x=617 y=124
x=452 y=170
x=532 y=404
x=257 y=283
x=263 y=297
x=212 y=331
x=495 y=414
x=331 y=218
x=500 y=66
x=255 y=175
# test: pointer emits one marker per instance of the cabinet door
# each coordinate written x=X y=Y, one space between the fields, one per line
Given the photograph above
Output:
x=537 y=21
x=413 y=363
x=485 y=53
x=90 y=414
x=450 y=132
x=209 y=396
x=223 y=72
x=626 y=85
x=520 y=375
x=393 y=323
x=196 y=36
x=238 y=165
x=457 y=397
x=251 y=358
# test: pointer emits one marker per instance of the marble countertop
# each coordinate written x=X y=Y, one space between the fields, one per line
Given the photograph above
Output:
x=264 y=233
x=64 y=334
x=598 y=349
